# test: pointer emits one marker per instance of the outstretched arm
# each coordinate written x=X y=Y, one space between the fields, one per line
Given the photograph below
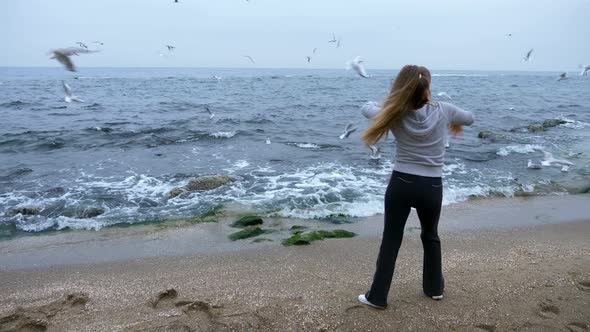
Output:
x=457 y=118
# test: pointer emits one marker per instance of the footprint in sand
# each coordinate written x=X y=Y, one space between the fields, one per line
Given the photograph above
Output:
x=577 y=327
x=584 y=285
x=37 y=319
x=486 y=327
x=166 y=295
x=548 y=311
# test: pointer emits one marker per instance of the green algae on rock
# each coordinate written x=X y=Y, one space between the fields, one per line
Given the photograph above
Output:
x=247 y=221
x=248 y=232
x=307 y=237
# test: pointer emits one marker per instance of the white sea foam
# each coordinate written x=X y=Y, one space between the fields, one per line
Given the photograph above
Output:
x=223 y=134
x=574 y=124
x=522 y=149
x=307 y=145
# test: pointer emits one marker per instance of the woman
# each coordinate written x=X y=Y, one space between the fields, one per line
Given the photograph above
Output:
x=419 y=127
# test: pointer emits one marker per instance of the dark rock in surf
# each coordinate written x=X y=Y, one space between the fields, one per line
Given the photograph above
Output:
x=247 y=221
x=208 y=182
x=83 y=212
x=248 y=232
x=535 y=128
x=25 y=211
x=553 y=123
x=175 y=192
x=485 y=134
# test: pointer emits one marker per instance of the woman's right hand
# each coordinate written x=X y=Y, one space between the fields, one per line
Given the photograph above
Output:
x=455 y=129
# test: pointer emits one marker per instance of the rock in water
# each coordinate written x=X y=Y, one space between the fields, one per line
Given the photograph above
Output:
x=485 y=134
x=535 y=128
x=247 y=221
x=247 y=232
x=25 y=211
x=175 y=192
x=553 y=122
x=208 y=182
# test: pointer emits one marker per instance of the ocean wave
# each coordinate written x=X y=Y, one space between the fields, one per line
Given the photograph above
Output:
x=521 y=149
x=311 y=146
x=460 y=75
x=223 y=134
x=573 y=124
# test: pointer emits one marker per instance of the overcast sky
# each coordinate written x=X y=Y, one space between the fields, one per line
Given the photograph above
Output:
x=453 y=34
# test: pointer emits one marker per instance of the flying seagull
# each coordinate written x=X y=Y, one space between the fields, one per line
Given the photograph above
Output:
x=357 y=65
x=62 y=55
x=338 y=42
x=531 y=165
x=69 y=95
x=333 y=40
x=375 y=152
x=82 y=45
x=585 y=70
x=170 y=48
x=314 y=50
x=528 y=56
x=211 y=114
x=562 y=76
x=249 y=58
x=444 y=94
x=308 y=59
x=349 y=129
x=548 y=160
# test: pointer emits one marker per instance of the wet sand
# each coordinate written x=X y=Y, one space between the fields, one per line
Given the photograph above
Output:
x=509 y=264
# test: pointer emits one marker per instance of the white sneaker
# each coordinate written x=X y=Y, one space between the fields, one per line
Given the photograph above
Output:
x=437 y=297
x=363 y=299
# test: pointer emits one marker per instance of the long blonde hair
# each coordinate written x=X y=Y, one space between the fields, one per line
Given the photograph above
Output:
x=408 y=93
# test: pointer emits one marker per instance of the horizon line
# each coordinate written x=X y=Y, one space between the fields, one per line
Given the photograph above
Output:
x=282 y=68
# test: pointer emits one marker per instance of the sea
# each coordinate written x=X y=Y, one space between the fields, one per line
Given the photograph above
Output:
x=141 y=132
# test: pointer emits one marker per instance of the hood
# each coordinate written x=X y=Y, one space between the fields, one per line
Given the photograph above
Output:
x=423 y=121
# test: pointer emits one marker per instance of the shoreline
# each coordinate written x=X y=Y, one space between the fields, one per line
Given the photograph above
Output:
x=114 y=244
x=527 y=278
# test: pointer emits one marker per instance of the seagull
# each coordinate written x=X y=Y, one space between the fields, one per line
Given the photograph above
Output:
x=62 y=55
x=170 y=48
x=82 y=45
x=69 y=95
x=249 y=58
x=548 y=160
x=447 y=143
x=308 y=59
x=211 y=114
x=349 y=129
x=528 y=56
x=530 y=165
x=314 y=50
x=98 y=42
x=333 y=40
x=375 y=152
x=218 y=78
x=562 y=76
x=565 y=168
x=357 y=65
x=338 y=42
x=267 y=140
x=444 y=94
x=509 y=35
x=585 y=70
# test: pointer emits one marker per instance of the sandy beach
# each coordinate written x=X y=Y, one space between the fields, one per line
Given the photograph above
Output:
x=519 y=264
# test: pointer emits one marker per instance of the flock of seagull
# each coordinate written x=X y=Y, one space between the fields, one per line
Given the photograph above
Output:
x=64 y=56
